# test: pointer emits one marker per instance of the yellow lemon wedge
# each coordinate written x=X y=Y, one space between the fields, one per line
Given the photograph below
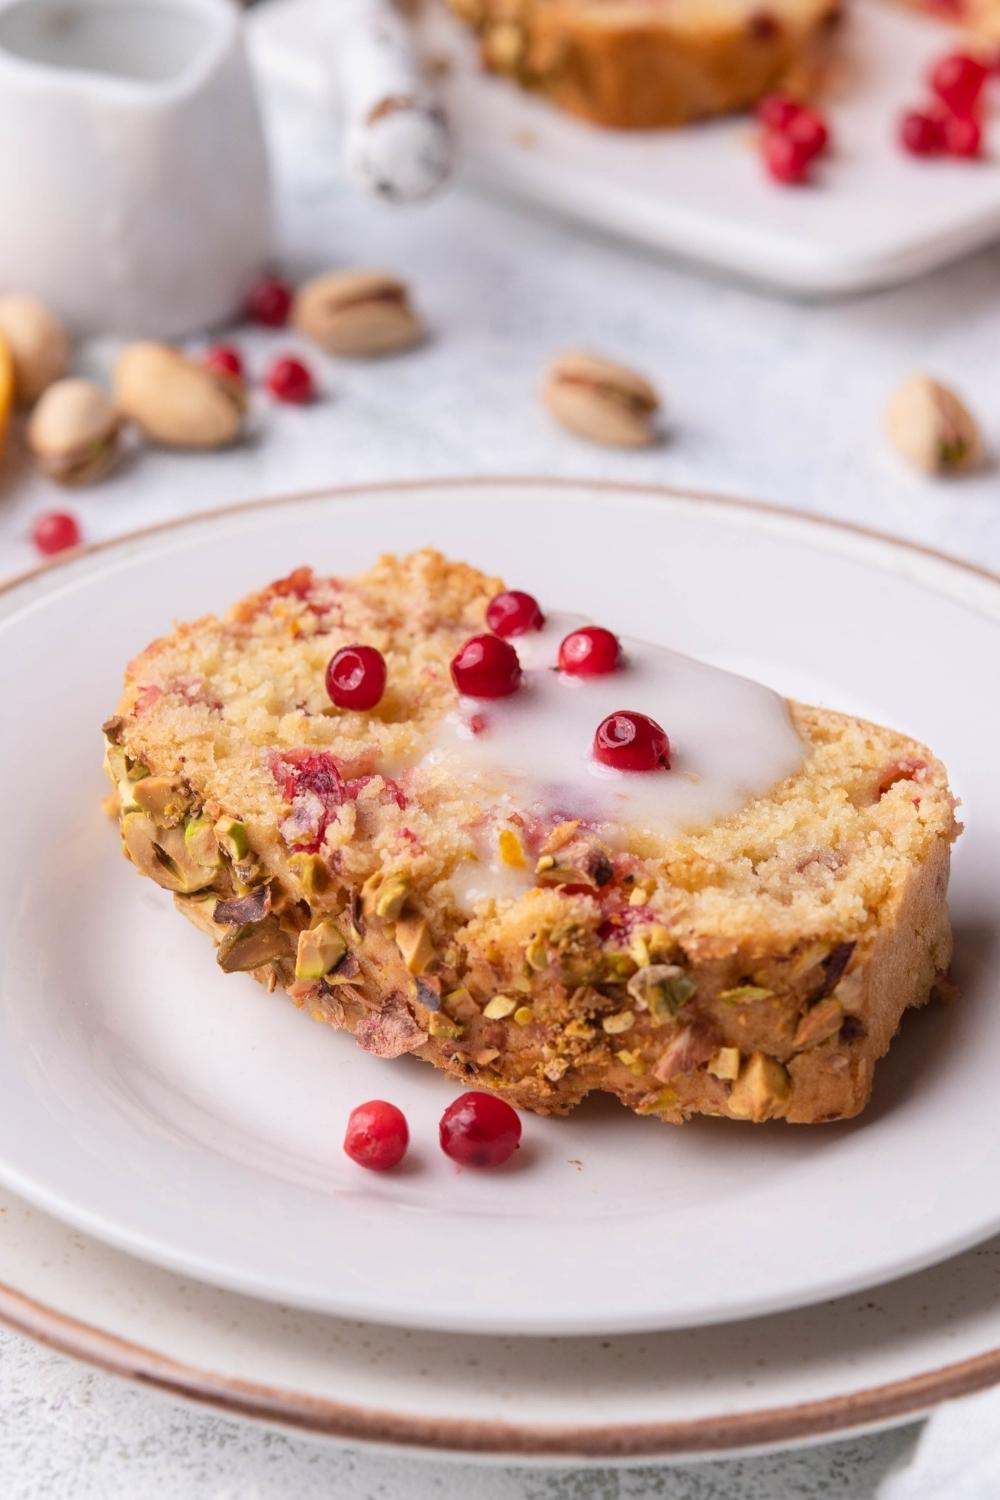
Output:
x=6 y=389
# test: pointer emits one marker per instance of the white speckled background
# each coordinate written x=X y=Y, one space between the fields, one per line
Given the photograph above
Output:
x=770 y=400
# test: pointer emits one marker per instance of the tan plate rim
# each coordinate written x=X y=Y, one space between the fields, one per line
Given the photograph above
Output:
x=877 y=1405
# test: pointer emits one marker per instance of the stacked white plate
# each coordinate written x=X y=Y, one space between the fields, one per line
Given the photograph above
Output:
x=874 y=217
x=622 y=1289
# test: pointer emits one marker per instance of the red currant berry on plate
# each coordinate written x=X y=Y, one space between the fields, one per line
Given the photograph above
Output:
x=377 y=1135
x=631 y=742
x=785 y=159
x=590 y=652
x=223 y=359
x=958 y=80
x=269 y=301
x=513 y=613
x=920 y=133
x=54 y=531
x=479 y=1130
x=289 y=379
x=355 y=677
x=486 y=667
x=777 y=111
x=963 y=136
x=810 y=131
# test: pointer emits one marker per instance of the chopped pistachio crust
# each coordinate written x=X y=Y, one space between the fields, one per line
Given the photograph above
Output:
x=637 y=66
x=754 y=969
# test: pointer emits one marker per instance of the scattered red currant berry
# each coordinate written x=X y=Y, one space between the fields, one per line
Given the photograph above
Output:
x=963 y=136
x=289 y=379
x=377 y=1135
x=785 y=159
x=959 y=80
x=631 y=742
x=479 y=1130
x=269 y=301
x=355 y=677
x=486 y=667
x=513 y=613
x=809 y=130
x=590 y=652
x=223 y=359
x=54 y=531
x=777 y=111
x=920 y=133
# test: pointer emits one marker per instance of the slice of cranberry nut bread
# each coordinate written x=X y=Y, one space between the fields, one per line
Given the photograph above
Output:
x=641 y=65
x=378 y=866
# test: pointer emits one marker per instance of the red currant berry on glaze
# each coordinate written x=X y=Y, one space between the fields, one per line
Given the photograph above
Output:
x=486 y=667
x=355 y=677
x=920 y=133
x=54 y=531
x=513 y=613
x=289 y=380
x=631 y=742
x=785 y=159
x=963 y=136
x=223 y=359
x=958 y=80
x=809 y=131
x=777 y=111
x=269 y=301
x=479 y=1130
x=590 y=652
x=377 y=1135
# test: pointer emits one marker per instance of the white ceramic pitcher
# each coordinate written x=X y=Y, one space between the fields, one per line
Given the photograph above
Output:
x=134 y=193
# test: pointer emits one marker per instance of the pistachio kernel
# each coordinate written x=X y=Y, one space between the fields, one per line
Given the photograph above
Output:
x=415 y=944
x=439 y=1025
x=253 y=945
x=232 y=837
x=822 y=1021
x=391 y=897
x=311 y=872
x=524 y=1015
x=499 y=1008
x=163 y=798
x=662 y=1102
x=537 y=953
x=319 y=950
x=623 y=1020
x=200 y=842
x=662 y=989
x=745 y=994
x=761 y=1091
x=724 y=1064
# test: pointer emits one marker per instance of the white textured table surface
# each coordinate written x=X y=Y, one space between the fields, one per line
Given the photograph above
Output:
x=767 y=400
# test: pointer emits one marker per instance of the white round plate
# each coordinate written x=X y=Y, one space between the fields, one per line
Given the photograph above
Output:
x=196 y=1120
x=860 y=1363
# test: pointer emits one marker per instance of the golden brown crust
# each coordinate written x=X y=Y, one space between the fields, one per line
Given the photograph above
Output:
x=755 y=969
x=637 y=67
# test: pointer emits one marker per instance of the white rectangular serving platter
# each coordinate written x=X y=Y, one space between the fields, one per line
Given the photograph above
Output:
x=874 y=216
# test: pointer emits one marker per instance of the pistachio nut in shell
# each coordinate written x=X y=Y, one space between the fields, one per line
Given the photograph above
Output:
x=38 y=342
x=175 y=401
x=74 y=432
x=359 y=313
x=601 y=401
x=931 y=427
